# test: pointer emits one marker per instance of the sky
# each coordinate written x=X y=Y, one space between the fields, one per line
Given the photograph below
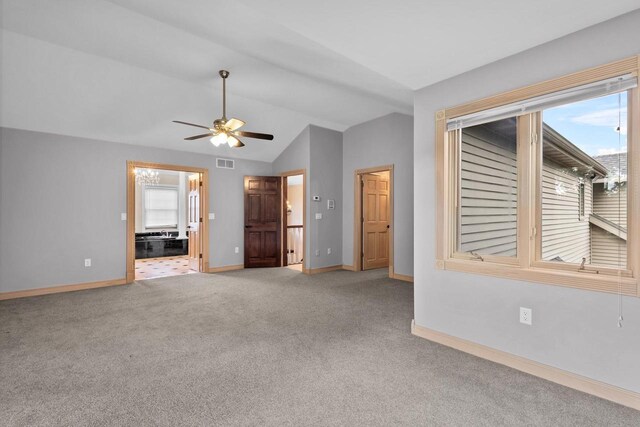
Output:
x=591 y=124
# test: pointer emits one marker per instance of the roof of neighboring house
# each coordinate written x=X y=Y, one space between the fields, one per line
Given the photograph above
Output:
x=562 y=151
x=614 y=163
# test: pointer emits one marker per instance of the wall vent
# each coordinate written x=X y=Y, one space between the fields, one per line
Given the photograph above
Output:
x=225 y=164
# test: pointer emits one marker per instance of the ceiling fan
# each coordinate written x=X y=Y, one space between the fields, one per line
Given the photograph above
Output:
x=224 y=130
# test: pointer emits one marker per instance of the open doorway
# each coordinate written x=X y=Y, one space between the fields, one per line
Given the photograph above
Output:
x=166 y=235
x=294 y=196
x=373 y=220
x=274 y=225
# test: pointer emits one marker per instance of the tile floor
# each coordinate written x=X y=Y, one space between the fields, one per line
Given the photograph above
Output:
x=150 y=268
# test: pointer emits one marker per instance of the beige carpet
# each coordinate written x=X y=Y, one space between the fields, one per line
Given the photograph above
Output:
x=259 y=347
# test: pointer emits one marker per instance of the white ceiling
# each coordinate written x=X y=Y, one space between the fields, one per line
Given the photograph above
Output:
x=121 y=70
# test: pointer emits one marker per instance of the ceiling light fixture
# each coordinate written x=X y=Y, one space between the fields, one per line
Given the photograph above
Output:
x=147 y=177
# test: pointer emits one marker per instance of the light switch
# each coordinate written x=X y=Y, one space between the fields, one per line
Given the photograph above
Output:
x=212 y=215
x=123 y=216
x=318 y=216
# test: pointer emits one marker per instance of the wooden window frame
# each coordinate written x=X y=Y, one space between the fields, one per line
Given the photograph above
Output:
x=528 y=264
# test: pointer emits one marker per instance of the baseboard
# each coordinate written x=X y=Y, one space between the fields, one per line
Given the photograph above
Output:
x=549 y=373
x=348 y=267
x=403 y=277
x=323 y=269
x=226 y=268
x=62 y=288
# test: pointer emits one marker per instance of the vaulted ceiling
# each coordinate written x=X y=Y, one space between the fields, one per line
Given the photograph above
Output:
x=121 y=70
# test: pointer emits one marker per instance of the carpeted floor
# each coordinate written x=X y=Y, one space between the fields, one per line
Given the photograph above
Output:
x=259 y=347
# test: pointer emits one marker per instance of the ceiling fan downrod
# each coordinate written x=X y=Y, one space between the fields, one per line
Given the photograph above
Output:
x=224 y=74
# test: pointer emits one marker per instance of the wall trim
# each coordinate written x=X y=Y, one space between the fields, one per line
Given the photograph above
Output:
x=348 y=267
x=61 y=288
x=226 y=268
x=559 y=376
x=323 y=269
x=403 y=277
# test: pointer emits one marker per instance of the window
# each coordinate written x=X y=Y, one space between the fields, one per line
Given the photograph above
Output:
x=537 y=184
x=585 y=160
x=160 y=207
x=488 y=190
x=581 y=200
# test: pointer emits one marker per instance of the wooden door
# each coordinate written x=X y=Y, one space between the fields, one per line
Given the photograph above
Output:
x=262 y=221
x=375 y=223
x=193 y=216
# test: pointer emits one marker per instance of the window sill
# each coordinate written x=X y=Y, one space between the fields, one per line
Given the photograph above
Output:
x=572 y=279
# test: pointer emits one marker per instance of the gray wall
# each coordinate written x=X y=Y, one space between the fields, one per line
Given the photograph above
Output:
x=298 y=156
x=319 y=151
x=326 y=181
x=56 y=190
x=383 y=141
x=572 y=329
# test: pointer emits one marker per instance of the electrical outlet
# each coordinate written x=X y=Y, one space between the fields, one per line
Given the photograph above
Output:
x=317 y=252
x=237 y=250
x=87 y=262
x=526 y=315
x=328 y=251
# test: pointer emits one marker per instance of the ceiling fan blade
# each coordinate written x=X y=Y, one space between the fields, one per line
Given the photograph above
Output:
x=254 y=135
x=233 y=124
x=204 y=135
x=237 y=143
x=191 y=124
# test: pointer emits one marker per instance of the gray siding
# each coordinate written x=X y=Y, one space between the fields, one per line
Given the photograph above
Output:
x=610 y=206
x=608 y=249
x=488 y=195
x=564 y=233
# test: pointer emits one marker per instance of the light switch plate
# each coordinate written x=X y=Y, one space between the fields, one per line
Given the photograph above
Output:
x=212 y=215
x=123 y=216
x=318 y=216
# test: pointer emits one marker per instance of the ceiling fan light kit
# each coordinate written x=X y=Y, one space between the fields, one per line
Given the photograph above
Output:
x=223 y=130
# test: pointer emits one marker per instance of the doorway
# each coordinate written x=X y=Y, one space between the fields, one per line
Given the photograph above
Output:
x=275 y=220
x=262 y=221
x=373 y=219
x=293 y=219
x=166 y=234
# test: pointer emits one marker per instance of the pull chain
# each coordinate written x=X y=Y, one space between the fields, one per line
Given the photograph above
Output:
x=620 y=317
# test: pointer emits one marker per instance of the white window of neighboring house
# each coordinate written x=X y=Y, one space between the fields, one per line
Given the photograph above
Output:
x=160 y=207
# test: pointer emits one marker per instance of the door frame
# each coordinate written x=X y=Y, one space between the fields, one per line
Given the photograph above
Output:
x=131 y=212
x=357 y=215
x=284 y=176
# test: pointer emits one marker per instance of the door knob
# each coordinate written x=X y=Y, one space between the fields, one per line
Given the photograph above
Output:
x=387 y=225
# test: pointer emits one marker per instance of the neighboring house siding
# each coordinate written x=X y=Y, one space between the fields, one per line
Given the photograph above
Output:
x=610 y=206
x=488 y=196
x=565 y=234
x=608 y=249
